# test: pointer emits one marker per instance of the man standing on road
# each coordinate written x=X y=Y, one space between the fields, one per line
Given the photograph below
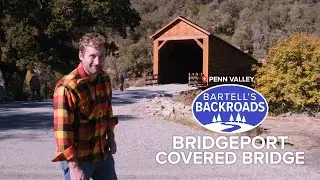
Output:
x=121 y=77
x=83 y=118
x=35 y=87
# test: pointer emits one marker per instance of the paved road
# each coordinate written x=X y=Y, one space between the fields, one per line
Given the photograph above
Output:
x=27 y=145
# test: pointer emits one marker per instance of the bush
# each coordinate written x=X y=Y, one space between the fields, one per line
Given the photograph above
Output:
x=290 y=80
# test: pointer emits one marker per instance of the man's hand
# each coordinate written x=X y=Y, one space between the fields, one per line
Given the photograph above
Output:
x=75 y=172
x=111 y=142
x=113 y=146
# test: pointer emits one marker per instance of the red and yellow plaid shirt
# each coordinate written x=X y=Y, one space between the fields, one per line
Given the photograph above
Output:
x=82 y=117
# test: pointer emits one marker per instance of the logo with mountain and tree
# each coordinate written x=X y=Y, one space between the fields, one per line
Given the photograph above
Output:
x=230 y=108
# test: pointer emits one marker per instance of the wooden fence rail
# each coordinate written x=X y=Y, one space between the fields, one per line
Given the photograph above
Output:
x=195 y=79
x=151 y=79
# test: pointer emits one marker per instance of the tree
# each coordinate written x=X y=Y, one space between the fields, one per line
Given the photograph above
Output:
x=214 y=120
x=290 y=80
x=252 y=25
x=47 y=31
x=238 y=118
x=231 y=119
x=219 y=118
x=243 y=119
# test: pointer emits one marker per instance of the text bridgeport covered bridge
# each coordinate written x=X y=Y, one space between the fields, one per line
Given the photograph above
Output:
x=182 y=47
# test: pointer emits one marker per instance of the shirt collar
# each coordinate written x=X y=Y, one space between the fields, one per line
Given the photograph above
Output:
x=82 y=72
x=84 y=75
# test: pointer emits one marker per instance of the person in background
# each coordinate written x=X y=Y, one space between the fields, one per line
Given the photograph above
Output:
x=121 y=78
x=83 y=118
x=35 y=87
x=45 y=77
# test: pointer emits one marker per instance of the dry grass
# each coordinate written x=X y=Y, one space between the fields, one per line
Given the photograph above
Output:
x=136 y=82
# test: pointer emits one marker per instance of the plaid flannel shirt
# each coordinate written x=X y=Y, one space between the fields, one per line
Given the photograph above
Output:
x=82 y=117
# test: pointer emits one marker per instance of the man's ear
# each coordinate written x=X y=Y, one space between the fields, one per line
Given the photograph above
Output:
x=81 y=55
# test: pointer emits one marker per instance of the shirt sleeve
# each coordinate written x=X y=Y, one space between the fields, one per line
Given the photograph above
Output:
x=64 y=105
x=112 y=120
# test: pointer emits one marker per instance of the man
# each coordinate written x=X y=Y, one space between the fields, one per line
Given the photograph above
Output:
x=83 y=117
x=121 y=77
x=45 y=76
x=35 y=87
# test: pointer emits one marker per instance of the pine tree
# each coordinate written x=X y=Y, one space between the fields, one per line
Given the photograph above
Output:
x=238 y=118
x=243 y=119
x=219 y=118
x=231 y=119
x=214 y=120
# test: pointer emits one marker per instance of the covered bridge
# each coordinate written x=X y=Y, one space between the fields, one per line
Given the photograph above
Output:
x=182 y=47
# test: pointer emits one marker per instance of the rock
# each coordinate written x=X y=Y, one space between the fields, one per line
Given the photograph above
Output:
x=166 y=112
x=285 y=114
x=172 y=116
x=165 y=107
x=187 y=108
x=179 y=116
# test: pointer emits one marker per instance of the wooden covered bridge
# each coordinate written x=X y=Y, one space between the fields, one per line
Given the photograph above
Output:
x=182 y=47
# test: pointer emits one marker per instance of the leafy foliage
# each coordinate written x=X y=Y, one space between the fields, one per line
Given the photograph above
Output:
x=251 y=25
x=45 y=32
x=291 y=78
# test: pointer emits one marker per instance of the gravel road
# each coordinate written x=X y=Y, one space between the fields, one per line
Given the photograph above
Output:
x=27 y=145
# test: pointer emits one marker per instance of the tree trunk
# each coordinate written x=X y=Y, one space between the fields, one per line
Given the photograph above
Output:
x=19 y=93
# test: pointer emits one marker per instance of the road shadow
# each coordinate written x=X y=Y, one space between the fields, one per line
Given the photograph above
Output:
x=26 y=104
x=126 y=117
x=25 y=136
x=26 y=121
x=25 y=115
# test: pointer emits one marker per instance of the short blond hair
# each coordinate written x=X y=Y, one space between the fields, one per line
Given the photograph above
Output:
x=91 y=39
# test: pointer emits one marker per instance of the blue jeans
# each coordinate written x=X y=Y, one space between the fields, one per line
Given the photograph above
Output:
x=101 y=171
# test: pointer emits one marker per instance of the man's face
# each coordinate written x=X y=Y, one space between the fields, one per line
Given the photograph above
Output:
x=92 y=59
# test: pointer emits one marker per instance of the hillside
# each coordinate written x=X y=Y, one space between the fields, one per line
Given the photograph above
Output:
x=251 y=25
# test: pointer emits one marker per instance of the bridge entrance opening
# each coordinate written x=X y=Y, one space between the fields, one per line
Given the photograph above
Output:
x=177 y=58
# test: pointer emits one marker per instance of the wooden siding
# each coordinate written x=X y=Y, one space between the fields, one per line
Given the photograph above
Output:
x=181 y=30
x=218 y=57
x=155 y=57
x=226 y=60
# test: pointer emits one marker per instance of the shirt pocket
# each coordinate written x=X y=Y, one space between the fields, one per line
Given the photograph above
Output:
x=86 y=108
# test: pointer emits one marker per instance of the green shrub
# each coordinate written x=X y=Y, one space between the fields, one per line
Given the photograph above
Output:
x=290 y=80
